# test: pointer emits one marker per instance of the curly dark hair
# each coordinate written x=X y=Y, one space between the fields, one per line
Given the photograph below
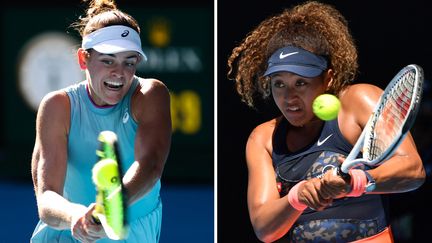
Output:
x=316 y=27
x=103 y=13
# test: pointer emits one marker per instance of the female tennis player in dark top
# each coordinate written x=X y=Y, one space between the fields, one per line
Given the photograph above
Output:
x=293 y=194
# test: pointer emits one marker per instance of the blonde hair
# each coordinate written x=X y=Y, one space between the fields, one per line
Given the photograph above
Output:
x=316 y=27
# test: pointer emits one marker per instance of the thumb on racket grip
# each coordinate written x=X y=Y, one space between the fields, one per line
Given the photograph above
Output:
x=98 y=209
x=293 y=197
x=358 y=183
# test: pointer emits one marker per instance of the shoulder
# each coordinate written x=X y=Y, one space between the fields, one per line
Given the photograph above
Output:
x=55 y=101
x=359 y=98
x=358 y=102
x=265 y=127
x=150 y=92
x=263 y=133
x=151 y=87
x=54 y=111
x=360 y=93
x=361 y=89
x=150 y=97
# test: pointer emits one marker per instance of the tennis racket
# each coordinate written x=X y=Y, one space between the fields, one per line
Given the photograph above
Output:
x=392 y=118
x=110 y=209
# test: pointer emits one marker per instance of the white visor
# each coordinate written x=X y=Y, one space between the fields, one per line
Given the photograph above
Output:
x=114 y=39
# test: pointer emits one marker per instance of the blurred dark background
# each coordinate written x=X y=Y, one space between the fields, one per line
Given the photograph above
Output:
x=38 y=55
x=389 y=36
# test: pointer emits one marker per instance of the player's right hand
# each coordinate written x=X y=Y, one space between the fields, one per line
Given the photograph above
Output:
x=333 y=186
x=84 y=228
x=309 y=194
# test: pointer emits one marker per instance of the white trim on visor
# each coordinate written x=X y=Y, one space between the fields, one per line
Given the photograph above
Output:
x=114 y=39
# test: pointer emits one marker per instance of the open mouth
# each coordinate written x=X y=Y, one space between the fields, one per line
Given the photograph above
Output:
x=293 y=108
x=113 y=85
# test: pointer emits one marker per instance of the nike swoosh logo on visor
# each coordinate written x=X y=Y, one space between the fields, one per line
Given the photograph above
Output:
x=282 y=56
x=319 y=143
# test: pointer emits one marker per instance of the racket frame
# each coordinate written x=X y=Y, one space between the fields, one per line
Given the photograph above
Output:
x=108 y=149
x=351 y=161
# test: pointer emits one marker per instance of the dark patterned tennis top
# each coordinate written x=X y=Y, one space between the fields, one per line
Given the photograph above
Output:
x=348 y=219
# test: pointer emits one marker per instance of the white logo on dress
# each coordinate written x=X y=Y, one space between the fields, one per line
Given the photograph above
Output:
x=319 y=143
x=126 y=116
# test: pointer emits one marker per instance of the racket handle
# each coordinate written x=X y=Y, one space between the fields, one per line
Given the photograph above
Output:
x=343 y=175
x=98 y=207
x=96 y=219
x=357 y=180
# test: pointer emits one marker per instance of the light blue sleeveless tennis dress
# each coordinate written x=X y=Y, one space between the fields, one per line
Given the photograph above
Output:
x=87 y=121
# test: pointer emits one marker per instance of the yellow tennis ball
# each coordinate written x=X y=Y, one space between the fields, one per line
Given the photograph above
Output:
x=105 y=174
x=326 y=107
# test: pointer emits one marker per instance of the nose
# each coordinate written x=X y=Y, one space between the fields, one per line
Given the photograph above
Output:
x=289 y=93
x=117 y=71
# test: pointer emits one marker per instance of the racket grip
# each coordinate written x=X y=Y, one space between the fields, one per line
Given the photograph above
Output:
x=98 y=208
x=96 y=219
x=357 y=180
x=343 y=175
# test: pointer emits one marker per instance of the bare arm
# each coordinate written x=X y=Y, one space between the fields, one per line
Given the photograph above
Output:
x=49 y=162
x=271 y=216
x=404 y=170
x=151 y=108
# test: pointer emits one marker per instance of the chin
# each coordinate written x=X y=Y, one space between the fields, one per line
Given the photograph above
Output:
x=295 y=122
x=113 y=103
x=300 y=122
x=114 y=100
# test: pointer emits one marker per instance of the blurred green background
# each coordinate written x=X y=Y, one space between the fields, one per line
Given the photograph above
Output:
x=39 y=47
x=38 y=55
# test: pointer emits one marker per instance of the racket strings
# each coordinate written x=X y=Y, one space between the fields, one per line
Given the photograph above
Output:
x=391 y=116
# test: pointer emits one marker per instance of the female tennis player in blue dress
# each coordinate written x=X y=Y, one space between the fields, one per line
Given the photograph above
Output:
x=70 y=120
x=293 y=195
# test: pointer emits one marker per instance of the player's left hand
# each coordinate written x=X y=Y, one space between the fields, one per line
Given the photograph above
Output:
x=84 y=228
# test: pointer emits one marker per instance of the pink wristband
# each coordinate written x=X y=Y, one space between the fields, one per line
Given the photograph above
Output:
x=358 y=183
x=293 y=197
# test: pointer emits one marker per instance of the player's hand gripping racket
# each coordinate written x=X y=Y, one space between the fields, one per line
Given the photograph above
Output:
x=390 y=122
x=110 y=209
